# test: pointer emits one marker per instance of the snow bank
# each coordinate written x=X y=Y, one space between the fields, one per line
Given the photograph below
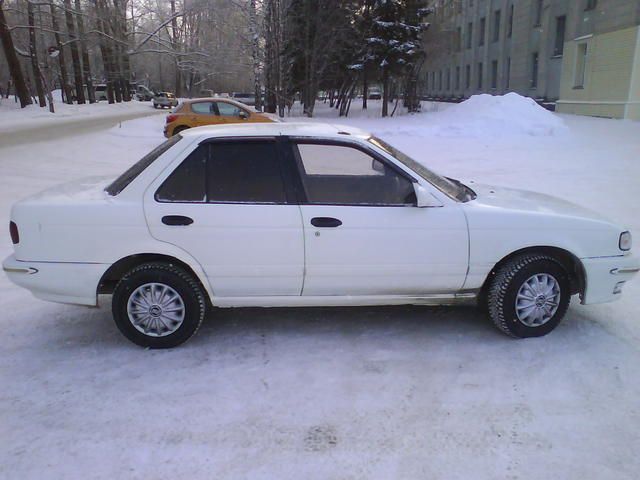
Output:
x=497 y=115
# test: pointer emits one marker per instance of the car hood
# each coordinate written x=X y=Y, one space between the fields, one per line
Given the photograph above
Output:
x=532 y=202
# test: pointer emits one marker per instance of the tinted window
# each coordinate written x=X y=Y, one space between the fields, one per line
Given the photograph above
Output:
x=343 y=175
x=202 y=107
x=228 y=110
x=187 y=182
x=127 y=177
x=244 y=172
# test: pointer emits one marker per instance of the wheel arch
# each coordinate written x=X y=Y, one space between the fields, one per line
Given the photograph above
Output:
x=570 y=262
x=117 y=270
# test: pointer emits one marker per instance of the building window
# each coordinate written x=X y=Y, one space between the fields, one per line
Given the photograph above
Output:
x=534 y=69
x=440 y=80
x=459 y=39
x=448 y=79
x=561 y=23
x=581 y=64
x=538 y=13
x=469 y=34
x=457 y=78
x=510 y=29
x=480 y=75
x=467 y=80
x=496 y=26
x=433 y=81
x=508 y=73
x=483 y=27
x=591 y=4
x=494 y=74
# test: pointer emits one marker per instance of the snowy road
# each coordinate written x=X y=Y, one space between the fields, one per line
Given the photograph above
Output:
x=357 y=393
x=76 y=126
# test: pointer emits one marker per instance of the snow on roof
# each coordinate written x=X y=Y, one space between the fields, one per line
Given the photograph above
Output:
x=303 y=129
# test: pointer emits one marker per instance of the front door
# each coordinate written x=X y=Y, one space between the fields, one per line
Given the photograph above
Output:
x=226 y=205
x=364 y=234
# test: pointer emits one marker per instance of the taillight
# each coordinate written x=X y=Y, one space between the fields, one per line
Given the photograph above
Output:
x=171 y=118
x=13 y=230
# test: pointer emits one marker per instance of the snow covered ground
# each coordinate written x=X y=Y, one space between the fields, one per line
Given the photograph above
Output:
x=346 y=393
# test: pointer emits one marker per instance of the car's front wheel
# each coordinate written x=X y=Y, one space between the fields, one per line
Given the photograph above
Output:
x=158 y=305
x=529 y=295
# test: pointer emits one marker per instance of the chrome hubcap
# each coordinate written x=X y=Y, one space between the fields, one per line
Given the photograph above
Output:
x=155 y=309
x=537 y=300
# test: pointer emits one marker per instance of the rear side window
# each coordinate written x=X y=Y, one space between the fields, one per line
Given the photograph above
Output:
x=244 y=172
x=187 y=182
x=202 y=107
x=233 y=172
x=136 y=169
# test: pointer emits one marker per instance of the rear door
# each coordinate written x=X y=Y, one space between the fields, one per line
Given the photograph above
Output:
x=227 y=205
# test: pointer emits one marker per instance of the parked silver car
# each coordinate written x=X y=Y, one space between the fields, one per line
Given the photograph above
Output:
x=165 y=99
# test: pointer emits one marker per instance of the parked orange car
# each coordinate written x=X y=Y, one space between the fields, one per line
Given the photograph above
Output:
x=211 y=111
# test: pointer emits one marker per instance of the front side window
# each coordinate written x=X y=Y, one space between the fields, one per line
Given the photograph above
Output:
x=228 y=172
x=344 y=175
x=228 y=110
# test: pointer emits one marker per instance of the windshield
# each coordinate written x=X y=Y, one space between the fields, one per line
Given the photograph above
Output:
x=137 y=168
x=453 y=188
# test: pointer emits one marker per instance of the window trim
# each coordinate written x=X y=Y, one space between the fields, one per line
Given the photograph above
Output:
x=294 y=141
x=210 y=141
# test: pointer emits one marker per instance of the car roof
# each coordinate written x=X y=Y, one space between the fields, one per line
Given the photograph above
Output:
x=300 y=129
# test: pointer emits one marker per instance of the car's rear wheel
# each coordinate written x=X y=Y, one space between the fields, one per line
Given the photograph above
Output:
x=529 y=296
x=158 y=305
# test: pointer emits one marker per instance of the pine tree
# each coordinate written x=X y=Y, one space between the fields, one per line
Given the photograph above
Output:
x=395 y=43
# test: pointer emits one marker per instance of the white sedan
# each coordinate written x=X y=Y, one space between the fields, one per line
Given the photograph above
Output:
x=306 y=215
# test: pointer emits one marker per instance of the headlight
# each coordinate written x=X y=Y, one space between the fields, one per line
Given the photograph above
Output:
x=625 y=241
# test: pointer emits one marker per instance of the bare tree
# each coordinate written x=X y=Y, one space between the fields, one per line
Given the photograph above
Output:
x=84 y=53
x=33 y=54
x=15 y=68
x=64 y=80
x=75 y=55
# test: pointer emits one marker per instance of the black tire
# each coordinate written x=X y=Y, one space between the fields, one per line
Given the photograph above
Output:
x=504 y=287
x=155 y=106
x=179 y=129
x=177 y=279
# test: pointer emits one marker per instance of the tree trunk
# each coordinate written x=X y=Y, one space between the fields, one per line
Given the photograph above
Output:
x=66 y=88
x=15 y=69
x=385 y=91
x=33 y=54
x=255 y=54
x=365 y=88
x=86 y=66
x=174 y=45
x=75 y=56
x=106 y=56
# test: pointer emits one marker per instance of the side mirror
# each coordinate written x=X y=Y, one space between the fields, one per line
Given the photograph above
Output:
x=425 y=198
x=377 y=166
x=243 y=115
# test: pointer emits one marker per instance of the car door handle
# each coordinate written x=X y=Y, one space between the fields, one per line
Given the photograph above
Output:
x=325 y=222
x=177 y=220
